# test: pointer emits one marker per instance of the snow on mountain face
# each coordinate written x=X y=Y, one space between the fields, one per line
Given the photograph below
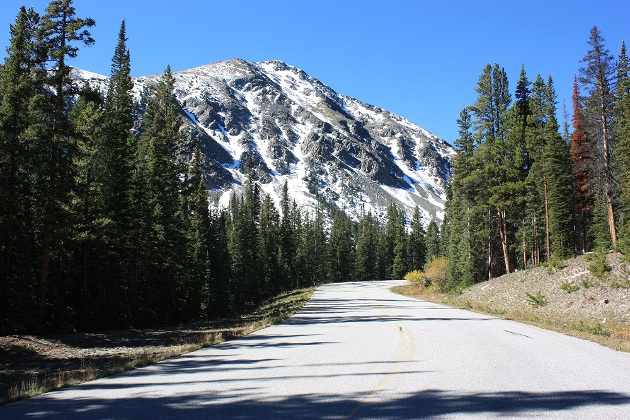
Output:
x=280 y=125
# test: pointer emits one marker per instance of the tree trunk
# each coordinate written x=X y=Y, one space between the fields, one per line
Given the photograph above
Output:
x=610 y=209
x=504 y=239
x=535 y=244
x=547 y=233
x=45 y=262
x=47 y=232
x=524 y=246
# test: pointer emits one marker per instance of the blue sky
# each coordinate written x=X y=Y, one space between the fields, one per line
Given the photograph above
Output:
x=418 y=58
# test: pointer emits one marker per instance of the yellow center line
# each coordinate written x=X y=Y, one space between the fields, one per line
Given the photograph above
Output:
x=405 y=353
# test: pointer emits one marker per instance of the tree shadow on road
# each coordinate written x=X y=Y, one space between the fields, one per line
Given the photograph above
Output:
x=419 y=405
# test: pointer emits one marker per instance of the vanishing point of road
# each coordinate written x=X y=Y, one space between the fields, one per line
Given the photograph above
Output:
x=357 y=350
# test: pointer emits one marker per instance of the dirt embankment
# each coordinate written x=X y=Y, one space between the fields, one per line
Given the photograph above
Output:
x=571 y=293
x=587 y=297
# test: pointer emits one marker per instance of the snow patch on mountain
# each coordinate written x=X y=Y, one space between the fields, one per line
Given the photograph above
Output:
x=274 y=123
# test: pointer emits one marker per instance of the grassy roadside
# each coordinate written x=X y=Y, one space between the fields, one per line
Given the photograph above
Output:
x=31 y=365
x=615 y=336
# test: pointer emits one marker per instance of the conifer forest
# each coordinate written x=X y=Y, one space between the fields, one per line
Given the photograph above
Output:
x=526 y=190
x=105 y=220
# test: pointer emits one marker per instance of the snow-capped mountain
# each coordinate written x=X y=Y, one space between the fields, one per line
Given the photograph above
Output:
x=286 y=126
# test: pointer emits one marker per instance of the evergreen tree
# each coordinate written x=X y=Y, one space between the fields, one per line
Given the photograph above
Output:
x=311 y=253
x=340 y=248
x=59 y=30
x=417 y=245
x=622 y=159
x=399 y=265
x=199 y=287
x=365 y=265
x=465 y=246
x=287 y=240
x=268 y=250
x=221 y=287
x=520 y=114
x=393 y=245
x=160 y=243
x=490 y=128
x=20 y=211
x=581 y=167
x=597 y=76
x=85 y=118
x=537 y=201
x=114 y=175
x=433 y=240
x=559 y=183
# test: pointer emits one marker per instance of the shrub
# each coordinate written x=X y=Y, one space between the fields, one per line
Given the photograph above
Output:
x=415 y=276
x=599 y=266
x=436 y=271
x=569 y=286
x=536 y=300
x=554 y=265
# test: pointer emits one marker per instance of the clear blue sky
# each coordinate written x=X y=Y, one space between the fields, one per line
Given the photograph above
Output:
x=418 y=58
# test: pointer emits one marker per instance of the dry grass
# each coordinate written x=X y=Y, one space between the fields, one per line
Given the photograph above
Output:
x=32 y=365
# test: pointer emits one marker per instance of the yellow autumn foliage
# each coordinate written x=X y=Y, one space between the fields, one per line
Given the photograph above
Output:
x=436 y=271
x=415 y=276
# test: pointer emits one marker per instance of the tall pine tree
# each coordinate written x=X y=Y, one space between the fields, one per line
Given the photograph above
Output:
x=597 y=76
x=622 y=129
x=59 y=31
x=20 y=122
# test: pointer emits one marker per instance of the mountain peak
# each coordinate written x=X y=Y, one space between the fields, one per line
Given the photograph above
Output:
x=278 y=124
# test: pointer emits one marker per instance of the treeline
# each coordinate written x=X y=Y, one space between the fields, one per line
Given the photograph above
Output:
x=523 y=190
x=105 y=219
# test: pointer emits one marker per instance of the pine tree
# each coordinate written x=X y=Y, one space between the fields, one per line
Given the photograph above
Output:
x=597 y=76
x=365 y=265
x=433 y=240
x=537 y=201
x=269 y=250
x=287 y=239
x=390 y=238
x=221 y=287
x=114 y=175
x=490 y=128
x=19 y=214
x=558 y=179
x=85 y=119
x=399 y=266
x=160 y=242
x=622 y=129
x=466 y=241
x=199 y=287
x=581 y=167
x=417 y=245
x=59 y=30
x=520 y=114
x=340 y=248
x=316 y=248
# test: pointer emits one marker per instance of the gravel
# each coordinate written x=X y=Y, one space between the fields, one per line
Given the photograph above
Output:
x=572 y=294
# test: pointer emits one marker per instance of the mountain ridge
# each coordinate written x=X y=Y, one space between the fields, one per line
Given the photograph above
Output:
x=279 y=124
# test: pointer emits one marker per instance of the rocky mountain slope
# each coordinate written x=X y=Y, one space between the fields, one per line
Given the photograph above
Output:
x=278 y=124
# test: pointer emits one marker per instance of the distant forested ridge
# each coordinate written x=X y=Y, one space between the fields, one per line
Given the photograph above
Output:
x=524 y=189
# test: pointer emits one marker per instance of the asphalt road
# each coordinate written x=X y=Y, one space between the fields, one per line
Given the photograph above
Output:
x=357 y=350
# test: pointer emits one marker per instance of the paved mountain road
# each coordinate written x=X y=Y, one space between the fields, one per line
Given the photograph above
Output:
x=357 y=350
